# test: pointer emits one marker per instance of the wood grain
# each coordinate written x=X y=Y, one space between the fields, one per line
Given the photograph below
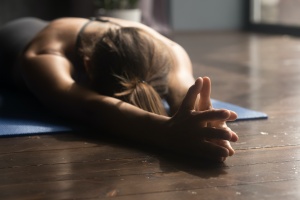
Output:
x=260 y=72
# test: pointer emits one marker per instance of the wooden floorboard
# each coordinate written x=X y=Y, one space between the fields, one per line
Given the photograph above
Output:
x=260 y=72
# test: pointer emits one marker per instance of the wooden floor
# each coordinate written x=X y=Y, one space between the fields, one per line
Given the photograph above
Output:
x=260 y=72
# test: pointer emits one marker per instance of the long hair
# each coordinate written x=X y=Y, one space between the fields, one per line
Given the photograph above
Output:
x=129 y=64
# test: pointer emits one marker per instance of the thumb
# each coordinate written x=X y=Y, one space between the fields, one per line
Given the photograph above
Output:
x=189 y=100
x=204 y=102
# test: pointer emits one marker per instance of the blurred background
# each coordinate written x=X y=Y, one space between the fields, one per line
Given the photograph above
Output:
x=173 y=15
x=176 y=14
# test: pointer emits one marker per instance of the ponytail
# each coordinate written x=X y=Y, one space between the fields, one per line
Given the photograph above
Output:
x=142 y=95
x=123 y=57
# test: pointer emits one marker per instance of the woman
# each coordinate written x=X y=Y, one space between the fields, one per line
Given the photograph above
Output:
x=113 y=74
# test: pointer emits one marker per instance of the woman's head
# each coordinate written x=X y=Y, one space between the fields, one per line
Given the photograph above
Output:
x=129 y=64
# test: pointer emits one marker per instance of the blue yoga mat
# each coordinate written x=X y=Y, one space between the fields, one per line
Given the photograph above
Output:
x=243 y=113
x=22 y=114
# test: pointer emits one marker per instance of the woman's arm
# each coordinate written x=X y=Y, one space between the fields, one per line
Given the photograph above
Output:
x=48 y=77
x=180 y=77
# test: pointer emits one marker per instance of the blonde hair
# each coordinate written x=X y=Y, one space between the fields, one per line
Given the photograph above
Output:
x=129 y=64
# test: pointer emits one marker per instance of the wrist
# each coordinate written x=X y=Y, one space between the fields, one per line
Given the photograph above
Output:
x=155 y=128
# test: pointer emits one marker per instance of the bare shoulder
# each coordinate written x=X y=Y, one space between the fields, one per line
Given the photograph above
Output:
x=58 y=37
x=66 y=23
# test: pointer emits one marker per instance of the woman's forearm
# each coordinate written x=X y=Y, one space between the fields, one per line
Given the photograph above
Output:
x=181 y=134
x=125 y=120
x=48 y=77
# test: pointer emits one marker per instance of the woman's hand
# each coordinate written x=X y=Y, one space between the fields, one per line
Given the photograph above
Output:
x=191 y=135
x=204 y=103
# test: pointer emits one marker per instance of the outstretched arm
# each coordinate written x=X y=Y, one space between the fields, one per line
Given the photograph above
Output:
x=180 y=77
x=48 y=76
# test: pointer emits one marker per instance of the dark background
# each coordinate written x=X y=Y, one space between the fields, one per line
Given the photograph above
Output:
x=44 y=9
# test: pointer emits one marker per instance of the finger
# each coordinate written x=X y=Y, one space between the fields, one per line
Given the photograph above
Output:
x=211 y=115
x=205 y=103
x=233 y=116
x=224 y=143
x=227 y=145
x=234 y=137
x=189 y=100
x=214 y=151
x=214 y=133
x=223 y=125
x=207 y=150
x=199 y=148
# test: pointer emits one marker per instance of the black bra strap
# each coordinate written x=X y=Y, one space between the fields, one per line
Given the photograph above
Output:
x=78 y=40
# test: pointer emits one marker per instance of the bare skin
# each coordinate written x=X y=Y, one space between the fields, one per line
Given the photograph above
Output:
x=205 y=104
x=48 y=68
